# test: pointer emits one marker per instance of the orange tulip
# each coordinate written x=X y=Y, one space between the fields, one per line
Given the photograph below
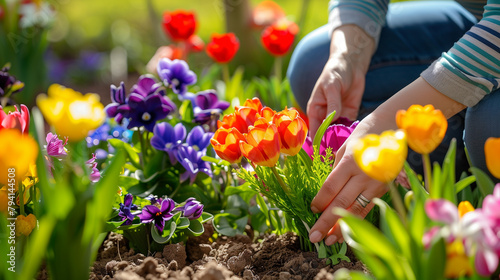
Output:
x=226 y=143
x=267 y=113
x=262 y=145
x=292 y=130
x=492 y=155
x=253 y=103
x=233 y=120
x=425 y=127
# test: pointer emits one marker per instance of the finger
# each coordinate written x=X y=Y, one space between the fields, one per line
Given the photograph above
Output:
x=344 y=199
x=331 y=187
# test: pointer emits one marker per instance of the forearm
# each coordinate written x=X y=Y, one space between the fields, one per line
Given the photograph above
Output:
x=353 y=45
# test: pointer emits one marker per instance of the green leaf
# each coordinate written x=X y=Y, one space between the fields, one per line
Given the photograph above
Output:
x=306 y=160
x=186 y=111
x=196 y=228
x=168 y=231
x=216 y=161
x=183 y=223
x=245 y=188
x=484 y=181
x=435 y=261
x=205 y=217
x=132 y=154
x=227 y=224
x=322 y=128
x=467 y=181
x=394 y=228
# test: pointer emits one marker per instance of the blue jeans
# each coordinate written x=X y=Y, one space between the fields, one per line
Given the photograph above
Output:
x=415 y=34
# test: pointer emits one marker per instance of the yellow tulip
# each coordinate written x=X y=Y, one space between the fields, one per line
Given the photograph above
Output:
x=492 y=155
x=17 y=151
x=382 y=156
x=425 y=127
x=464 y=207
x=72 y=114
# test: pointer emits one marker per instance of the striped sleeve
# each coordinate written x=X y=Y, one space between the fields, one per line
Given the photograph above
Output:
x=367 y=14
x=471 y=68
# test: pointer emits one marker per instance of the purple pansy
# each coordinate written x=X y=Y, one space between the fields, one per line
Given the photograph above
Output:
x=176 y=74
x=125 y=209
x=192 y=209
x=146 y=85
x=192 y=162
x=145 y=111
x=208 y=107
x=118 y=98
x=334 y=137
x=169 y=139
x=9 y=82
x=158 y=213
x=198 y=138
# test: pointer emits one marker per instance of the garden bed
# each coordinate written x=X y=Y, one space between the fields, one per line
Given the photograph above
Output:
x=268 y=257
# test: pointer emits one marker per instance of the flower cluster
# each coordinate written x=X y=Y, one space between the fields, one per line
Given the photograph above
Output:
x=160 y=210
x=467 y=233
x=259 y=133
x=189 y=153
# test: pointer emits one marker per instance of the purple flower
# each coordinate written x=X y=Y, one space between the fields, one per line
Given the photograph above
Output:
x=169 y=139
x=118 y=98
x=145 y=111
x=176 y=74
x=95 y=175
x=192 y=209
x=146 y=85
x=192 y=162
x=334 y=137
x=198 y=138
x=55 y=146
x=98 y=135
x=9 y=82
x=158 y=214
x=125 y=209
x=207 y=107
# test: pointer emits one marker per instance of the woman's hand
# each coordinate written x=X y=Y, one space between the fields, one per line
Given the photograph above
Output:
x=341 y=85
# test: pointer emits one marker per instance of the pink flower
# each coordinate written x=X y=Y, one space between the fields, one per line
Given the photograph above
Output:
x=17 y=120
x=55 y=146
x=95 y=175
x=334 y=137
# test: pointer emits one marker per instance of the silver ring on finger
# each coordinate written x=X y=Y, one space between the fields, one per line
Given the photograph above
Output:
x=361 y=199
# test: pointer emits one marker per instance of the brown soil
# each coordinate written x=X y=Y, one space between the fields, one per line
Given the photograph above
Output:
x=227 y=258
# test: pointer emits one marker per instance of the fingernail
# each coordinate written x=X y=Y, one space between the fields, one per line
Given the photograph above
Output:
x=315 y=236
x=314 y=209
x=330 y=240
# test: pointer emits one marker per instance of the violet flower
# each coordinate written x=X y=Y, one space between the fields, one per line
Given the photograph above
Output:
x=169 y=139
x=158 y=213
x=146 y=85
x=176 y=74
x=334 y=137
x=95 y=174
x=118 y=98
x=9 y=83
x=208 y=107
x=199 y=139
x=125 y=209
x=145 y=111
x=192 y=162
x=192 y=209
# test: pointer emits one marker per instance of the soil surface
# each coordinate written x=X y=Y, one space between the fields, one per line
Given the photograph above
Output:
x=267 y=258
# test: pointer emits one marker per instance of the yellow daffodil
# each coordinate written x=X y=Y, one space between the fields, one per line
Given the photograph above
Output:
x=457 y=262
x=17 y=151
x=492 y=155
x=425 y=127
x=382 y=156
x=31 y=177
x=72 y=114
x=25 y=224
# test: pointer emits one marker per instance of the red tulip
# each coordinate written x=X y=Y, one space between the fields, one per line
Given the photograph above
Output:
x=226 y=143
x=292 y=130
x=17 y=120
x=223 y=47
x=179 y=25
x=262 y=145
x=279 y=37
x=195 y=43
x=266 y=13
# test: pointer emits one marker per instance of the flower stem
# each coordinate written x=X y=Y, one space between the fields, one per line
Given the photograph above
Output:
x=225 y=75
x=398 y=202
x=427 y=171
x=280 y=180
x=143 y=148
x=278 y=64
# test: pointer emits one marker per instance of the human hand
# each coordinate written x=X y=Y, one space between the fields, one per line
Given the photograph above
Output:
x=341 y=84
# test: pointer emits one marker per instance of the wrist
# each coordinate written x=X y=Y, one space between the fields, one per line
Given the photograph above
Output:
x=353 y=45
